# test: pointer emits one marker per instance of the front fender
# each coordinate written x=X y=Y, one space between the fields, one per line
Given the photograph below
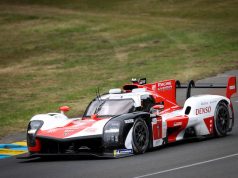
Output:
x=51 y=120
x=124 y=136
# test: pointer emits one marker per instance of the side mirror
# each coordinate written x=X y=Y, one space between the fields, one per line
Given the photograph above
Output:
x=94 y=116
x=158 y=107
x=64 y=109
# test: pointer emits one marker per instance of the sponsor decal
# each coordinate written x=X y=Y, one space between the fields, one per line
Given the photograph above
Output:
x=67 y=132
x=157 y=142
x=214 y=101
x=203 y=110
x=91 y=130
x=129 y=121
x=178 y=124
x=209 y=123
x=51 y=130
x=165 y=86
x=79 y=125
x=154 y=87
x=122 y=152
x=154 y=120
x=232 y=87
x=157 y=129
x=112 y=130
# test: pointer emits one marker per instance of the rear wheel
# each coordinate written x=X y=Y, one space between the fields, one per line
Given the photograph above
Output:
x=140 y=135
x=222 y=119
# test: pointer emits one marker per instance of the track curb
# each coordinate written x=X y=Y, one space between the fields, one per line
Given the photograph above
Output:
x=16 y=148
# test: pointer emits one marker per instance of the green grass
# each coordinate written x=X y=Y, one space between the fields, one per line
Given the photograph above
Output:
x=58 y=52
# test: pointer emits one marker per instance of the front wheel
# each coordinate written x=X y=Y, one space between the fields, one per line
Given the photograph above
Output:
x=222 y=119
x=140 y=135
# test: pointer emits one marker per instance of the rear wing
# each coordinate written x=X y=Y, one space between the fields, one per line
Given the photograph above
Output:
x=165 y=91
x=230 y=87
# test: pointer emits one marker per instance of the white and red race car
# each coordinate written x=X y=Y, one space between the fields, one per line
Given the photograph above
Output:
x=132 y=120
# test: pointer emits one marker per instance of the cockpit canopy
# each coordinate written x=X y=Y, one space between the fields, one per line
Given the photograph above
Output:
x=110 y=107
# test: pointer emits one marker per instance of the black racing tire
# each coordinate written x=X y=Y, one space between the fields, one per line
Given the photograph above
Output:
x=140 y=137
x=222 y=119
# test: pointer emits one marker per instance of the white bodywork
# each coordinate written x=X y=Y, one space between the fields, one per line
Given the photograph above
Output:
x=135 y=95
x=53 y=121
x=197 y=116
x=202 y=107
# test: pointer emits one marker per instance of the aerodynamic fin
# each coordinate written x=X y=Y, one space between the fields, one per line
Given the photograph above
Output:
x=167 y=89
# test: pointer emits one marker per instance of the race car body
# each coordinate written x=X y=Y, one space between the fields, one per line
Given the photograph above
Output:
x=132 y=120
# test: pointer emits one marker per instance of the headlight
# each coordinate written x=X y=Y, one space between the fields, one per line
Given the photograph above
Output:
x=112 y=127
x=112 y=134
x=33 y=127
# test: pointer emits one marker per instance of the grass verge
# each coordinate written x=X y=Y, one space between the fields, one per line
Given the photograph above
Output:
x=56 y=53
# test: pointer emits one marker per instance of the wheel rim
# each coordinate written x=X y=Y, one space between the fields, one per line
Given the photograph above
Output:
x=222 y=120
x=141 y=136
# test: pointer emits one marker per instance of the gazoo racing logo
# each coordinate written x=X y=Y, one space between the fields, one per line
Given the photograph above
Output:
x=165 y=86
x=203 y=110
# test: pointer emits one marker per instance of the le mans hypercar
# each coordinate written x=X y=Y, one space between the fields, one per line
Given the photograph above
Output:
x=132 y=120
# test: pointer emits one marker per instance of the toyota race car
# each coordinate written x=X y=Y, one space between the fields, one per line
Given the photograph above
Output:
x=132 y=120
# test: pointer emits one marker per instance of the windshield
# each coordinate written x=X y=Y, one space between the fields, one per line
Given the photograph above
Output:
x=110 y=107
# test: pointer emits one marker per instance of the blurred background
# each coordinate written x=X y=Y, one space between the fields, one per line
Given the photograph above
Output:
x=57 y=52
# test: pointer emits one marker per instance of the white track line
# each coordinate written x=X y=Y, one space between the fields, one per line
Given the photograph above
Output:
x=186 y=166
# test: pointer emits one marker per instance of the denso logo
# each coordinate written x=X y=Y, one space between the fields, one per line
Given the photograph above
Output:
x=203 y=110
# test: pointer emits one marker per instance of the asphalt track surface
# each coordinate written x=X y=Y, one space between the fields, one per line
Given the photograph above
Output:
x=216 y=157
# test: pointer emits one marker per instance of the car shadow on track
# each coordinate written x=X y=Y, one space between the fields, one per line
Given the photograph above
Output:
x=61 y=158
x=95 y=158
x=191 y=141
